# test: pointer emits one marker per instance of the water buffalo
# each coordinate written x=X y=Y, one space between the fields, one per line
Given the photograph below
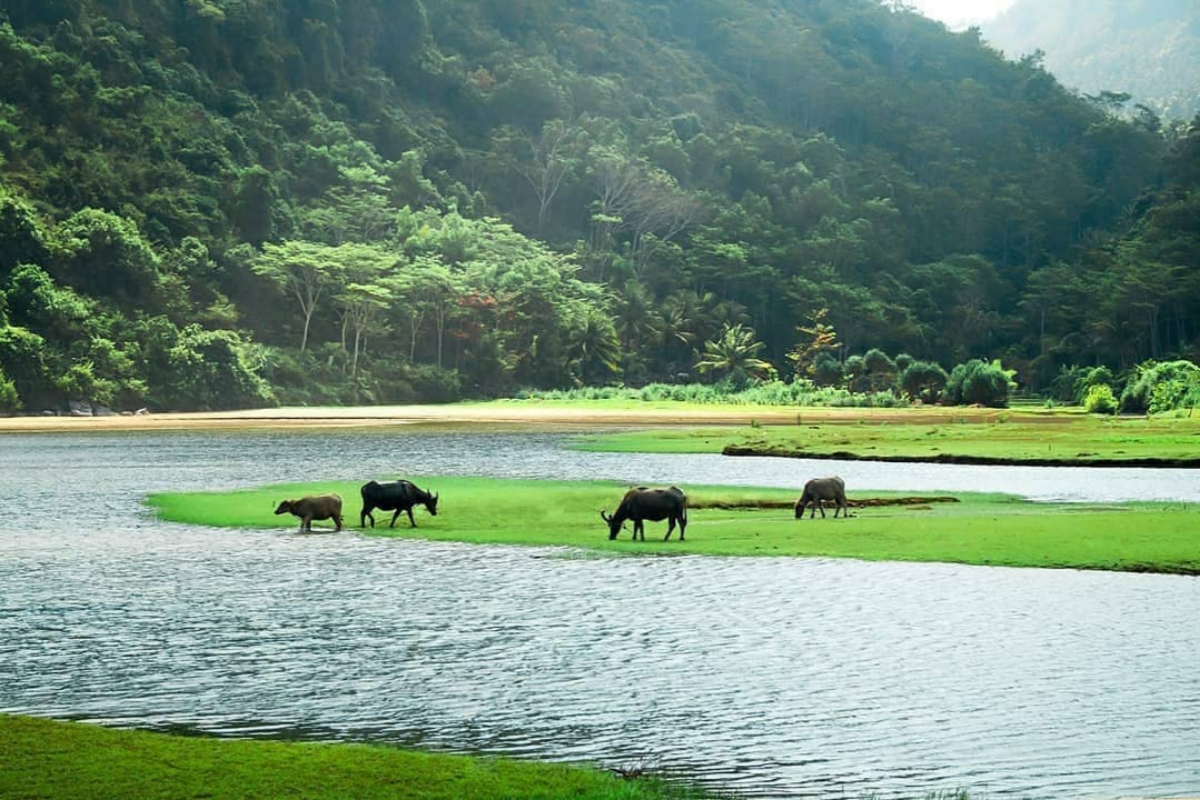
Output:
x=321 y=506
x=394 y=496
x=643 y=504
x=817 y=491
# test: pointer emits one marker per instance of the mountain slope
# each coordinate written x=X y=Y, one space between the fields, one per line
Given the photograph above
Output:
x=1149 y=49
x=667 y=168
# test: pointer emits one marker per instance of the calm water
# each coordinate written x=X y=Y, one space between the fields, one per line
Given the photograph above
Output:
x=774 y=677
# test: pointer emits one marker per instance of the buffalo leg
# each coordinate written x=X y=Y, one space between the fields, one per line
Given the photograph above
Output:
x=670 y=529
x=365 y=515
x=395 y=517
x=821 y=505
x=338 y=521
x=412 y=523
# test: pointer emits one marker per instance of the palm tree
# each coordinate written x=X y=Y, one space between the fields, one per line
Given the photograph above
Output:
x=594 y=348
x=637 y=321
x=735 y=352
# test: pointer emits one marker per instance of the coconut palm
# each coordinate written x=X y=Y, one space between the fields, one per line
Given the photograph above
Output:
x=593 y=346
x=735 y=353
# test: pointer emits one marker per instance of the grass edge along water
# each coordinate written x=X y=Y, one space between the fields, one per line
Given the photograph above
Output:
x=981 y=529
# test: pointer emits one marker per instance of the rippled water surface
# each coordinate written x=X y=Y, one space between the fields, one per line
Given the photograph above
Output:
x=774 y=677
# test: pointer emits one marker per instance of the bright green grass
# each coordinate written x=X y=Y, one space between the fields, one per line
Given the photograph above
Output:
x=71 y=761
x=981 y=529
x=1021 y=437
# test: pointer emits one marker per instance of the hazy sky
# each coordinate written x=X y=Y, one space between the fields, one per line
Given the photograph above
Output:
x=961 y=12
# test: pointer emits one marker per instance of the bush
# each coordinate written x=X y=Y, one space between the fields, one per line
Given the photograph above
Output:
x=1100 y=400
x=10 y=401
x=979 y=382
x=434 y=384
x=924 y=381
x=768 y=393
x=827 y=370
x=1178 y=380
x=206 y=370
x=1065 y=386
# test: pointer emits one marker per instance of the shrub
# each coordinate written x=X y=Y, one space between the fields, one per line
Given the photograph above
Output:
x=827 y=370
x=1177 y=379
x=1065 y=386
x=1100 y=400
x=923 y=381
x=434 y=384
x=9 y=399
x=982 y=382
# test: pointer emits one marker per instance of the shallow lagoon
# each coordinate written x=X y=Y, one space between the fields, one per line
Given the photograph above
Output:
x=774 y=677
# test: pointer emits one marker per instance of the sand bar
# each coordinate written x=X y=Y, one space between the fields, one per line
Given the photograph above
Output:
x=503 y=413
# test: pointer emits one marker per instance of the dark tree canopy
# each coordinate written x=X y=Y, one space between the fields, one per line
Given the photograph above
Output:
x=508 y=195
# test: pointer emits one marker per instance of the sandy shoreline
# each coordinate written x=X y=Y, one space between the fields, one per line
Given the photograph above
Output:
x=497 y=413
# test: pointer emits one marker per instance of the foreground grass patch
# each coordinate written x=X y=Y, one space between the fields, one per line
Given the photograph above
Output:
x=742 y=521
x=64 y=761
x=1021 y=437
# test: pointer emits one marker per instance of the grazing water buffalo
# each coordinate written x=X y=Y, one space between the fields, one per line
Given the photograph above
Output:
x=394 y=496
x=643 y=504
x=817 y=491
x=322 y=506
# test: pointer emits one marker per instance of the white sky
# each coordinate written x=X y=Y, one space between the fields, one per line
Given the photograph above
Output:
x=959 y=13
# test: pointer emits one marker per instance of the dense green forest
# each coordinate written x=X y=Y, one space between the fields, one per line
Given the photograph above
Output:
x=1149 y=49
x=228 y=203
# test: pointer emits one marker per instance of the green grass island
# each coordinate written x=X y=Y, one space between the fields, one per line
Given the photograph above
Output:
x=981 y=529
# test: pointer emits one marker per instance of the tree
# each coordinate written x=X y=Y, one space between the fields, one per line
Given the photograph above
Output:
x=305 y=270
x=735 y=354
x=368 y=291
x=980 y=382
x=924 y=381
x=594 y=347
x=104 y=255
x=816 y=337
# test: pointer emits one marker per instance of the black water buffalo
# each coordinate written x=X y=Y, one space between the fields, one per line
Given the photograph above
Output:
x=817 y=491
x=395 y=496
x=321 y=506
x=643 y=504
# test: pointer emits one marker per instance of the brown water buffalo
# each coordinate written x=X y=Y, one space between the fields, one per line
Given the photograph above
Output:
x=819 y=490
x=395 y=496
x=321 y=506
x=643 y=504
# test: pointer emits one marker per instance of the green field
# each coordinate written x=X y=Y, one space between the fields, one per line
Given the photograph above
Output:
x=732 y=521
x=45 y=760
x=1008 y=438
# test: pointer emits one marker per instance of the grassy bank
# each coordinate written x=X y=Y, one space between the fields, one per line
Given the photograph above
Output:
x=732 y=521
x=1019 y=437
x=69 y=761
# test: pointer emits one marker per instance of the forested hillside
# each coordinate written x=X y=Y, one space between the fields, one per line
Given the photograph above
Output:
x=223 y=203
x=1149 y=49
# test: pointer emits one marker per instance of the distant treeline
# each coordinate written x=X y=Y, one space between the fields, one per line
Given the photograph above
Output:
x=226 y=203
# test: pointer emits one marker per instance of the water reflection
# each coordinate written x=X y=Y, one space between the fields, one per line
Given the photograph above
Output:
x=776 y=677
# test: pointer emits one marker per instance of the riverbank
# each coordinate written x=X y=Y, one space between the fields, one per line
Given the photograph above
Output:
x=1030 y=436
x=73 y=761
x=994 y=530
x=1028 y=439
x=515 y=412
